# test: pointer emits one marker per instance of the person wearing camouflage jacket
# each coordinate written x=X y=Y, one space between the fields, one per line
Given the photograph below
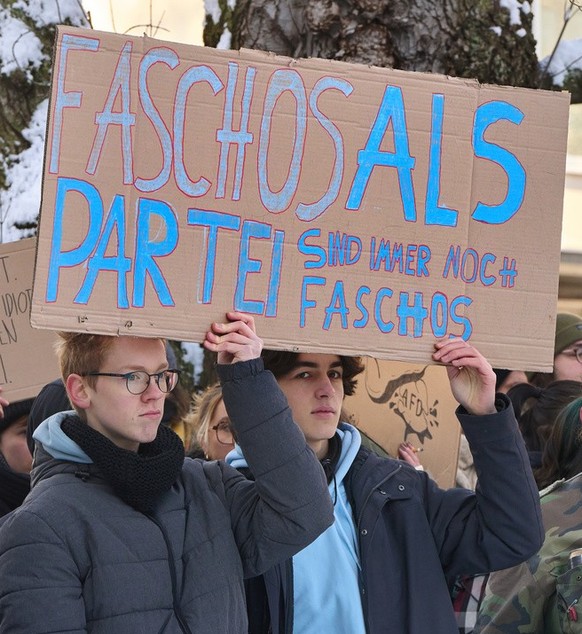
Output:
x=544 y=594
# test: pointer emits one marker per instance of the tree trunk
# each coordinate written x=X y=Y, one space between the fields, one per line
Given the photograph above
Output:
x=463 y=38
x=23 y=86
x=21 y=91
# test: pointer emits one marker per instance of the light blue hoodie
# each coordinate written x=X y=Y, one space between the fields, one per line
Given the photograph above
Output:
x=54 y=440
x=326 y=592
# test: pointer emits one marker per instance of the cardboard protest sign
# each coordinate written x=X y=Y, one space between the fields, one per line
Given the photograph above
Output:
x=396 y=402
x=351 y=209
x=27 y=356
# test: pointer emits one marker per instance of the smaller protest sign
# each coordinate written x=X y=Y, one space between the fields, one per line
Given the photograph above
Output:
x=27 y=357
x=397 y=402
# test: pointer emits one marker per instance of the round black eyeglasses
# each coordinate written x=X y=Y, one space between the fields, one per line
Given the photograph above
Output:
x=138 y=382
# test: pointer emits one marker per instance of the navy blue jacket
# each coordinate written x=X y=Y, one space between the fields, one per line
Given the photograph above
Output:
x=415 y=537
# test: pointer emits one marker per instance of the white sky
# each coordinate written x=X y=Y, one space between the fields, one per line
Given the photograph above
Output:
x=174 y=20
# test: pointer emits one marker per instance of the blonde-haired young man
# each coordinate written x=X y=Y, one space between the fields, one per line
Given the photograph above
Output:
x=121 y=533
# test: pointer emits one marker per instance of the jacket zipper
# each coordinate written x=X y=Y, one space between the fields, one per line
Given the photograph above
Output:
x=290 y=604
x=360 y=568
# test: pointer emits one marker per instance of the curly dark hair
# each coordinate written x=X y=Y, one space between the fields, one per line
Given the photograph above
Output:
x=281 y=362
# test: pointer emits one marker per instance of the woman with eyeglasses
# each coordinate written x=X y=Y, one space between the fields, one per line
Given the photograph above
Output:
x=211 y=423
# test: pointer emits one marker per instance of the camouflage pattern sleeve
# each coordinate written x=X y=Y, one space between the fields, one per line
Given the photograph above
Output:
x=569 y=595
x=513 y=603
x=543 y=595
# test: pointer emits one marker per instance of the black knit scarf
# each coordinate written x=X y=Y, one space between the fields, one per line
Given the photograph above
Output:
x=138 y=478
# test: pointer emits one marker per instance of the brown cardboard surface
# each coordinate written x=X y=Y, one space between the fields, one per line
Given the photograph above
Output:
x=396 y=402
x=351 y=209
x=27 y=357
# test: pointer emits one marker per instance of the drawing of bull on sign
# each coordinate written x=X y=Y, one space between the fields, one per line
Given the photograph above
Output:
x=407 y=396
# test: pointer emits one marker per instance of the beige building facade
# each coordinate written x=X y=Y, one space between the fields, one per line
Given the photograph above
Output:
x=549 y=21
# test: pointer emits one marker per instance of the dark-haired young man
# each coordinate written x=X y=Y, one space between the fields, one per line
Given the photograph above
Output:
x=398 y=540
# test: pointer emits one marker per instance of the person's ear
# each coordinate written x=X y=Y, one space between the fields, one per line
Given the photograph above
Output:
x=204 y=447
x=77 y=391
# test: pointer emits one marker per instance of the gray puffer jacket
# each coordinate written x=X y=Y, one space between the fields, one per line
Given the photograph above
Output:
x=75 y=558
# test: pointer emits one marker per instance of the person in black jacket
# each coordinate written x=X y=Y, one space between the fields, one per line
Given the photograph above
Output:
x=15 y=457
x=398 y=541
x=50 y=400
